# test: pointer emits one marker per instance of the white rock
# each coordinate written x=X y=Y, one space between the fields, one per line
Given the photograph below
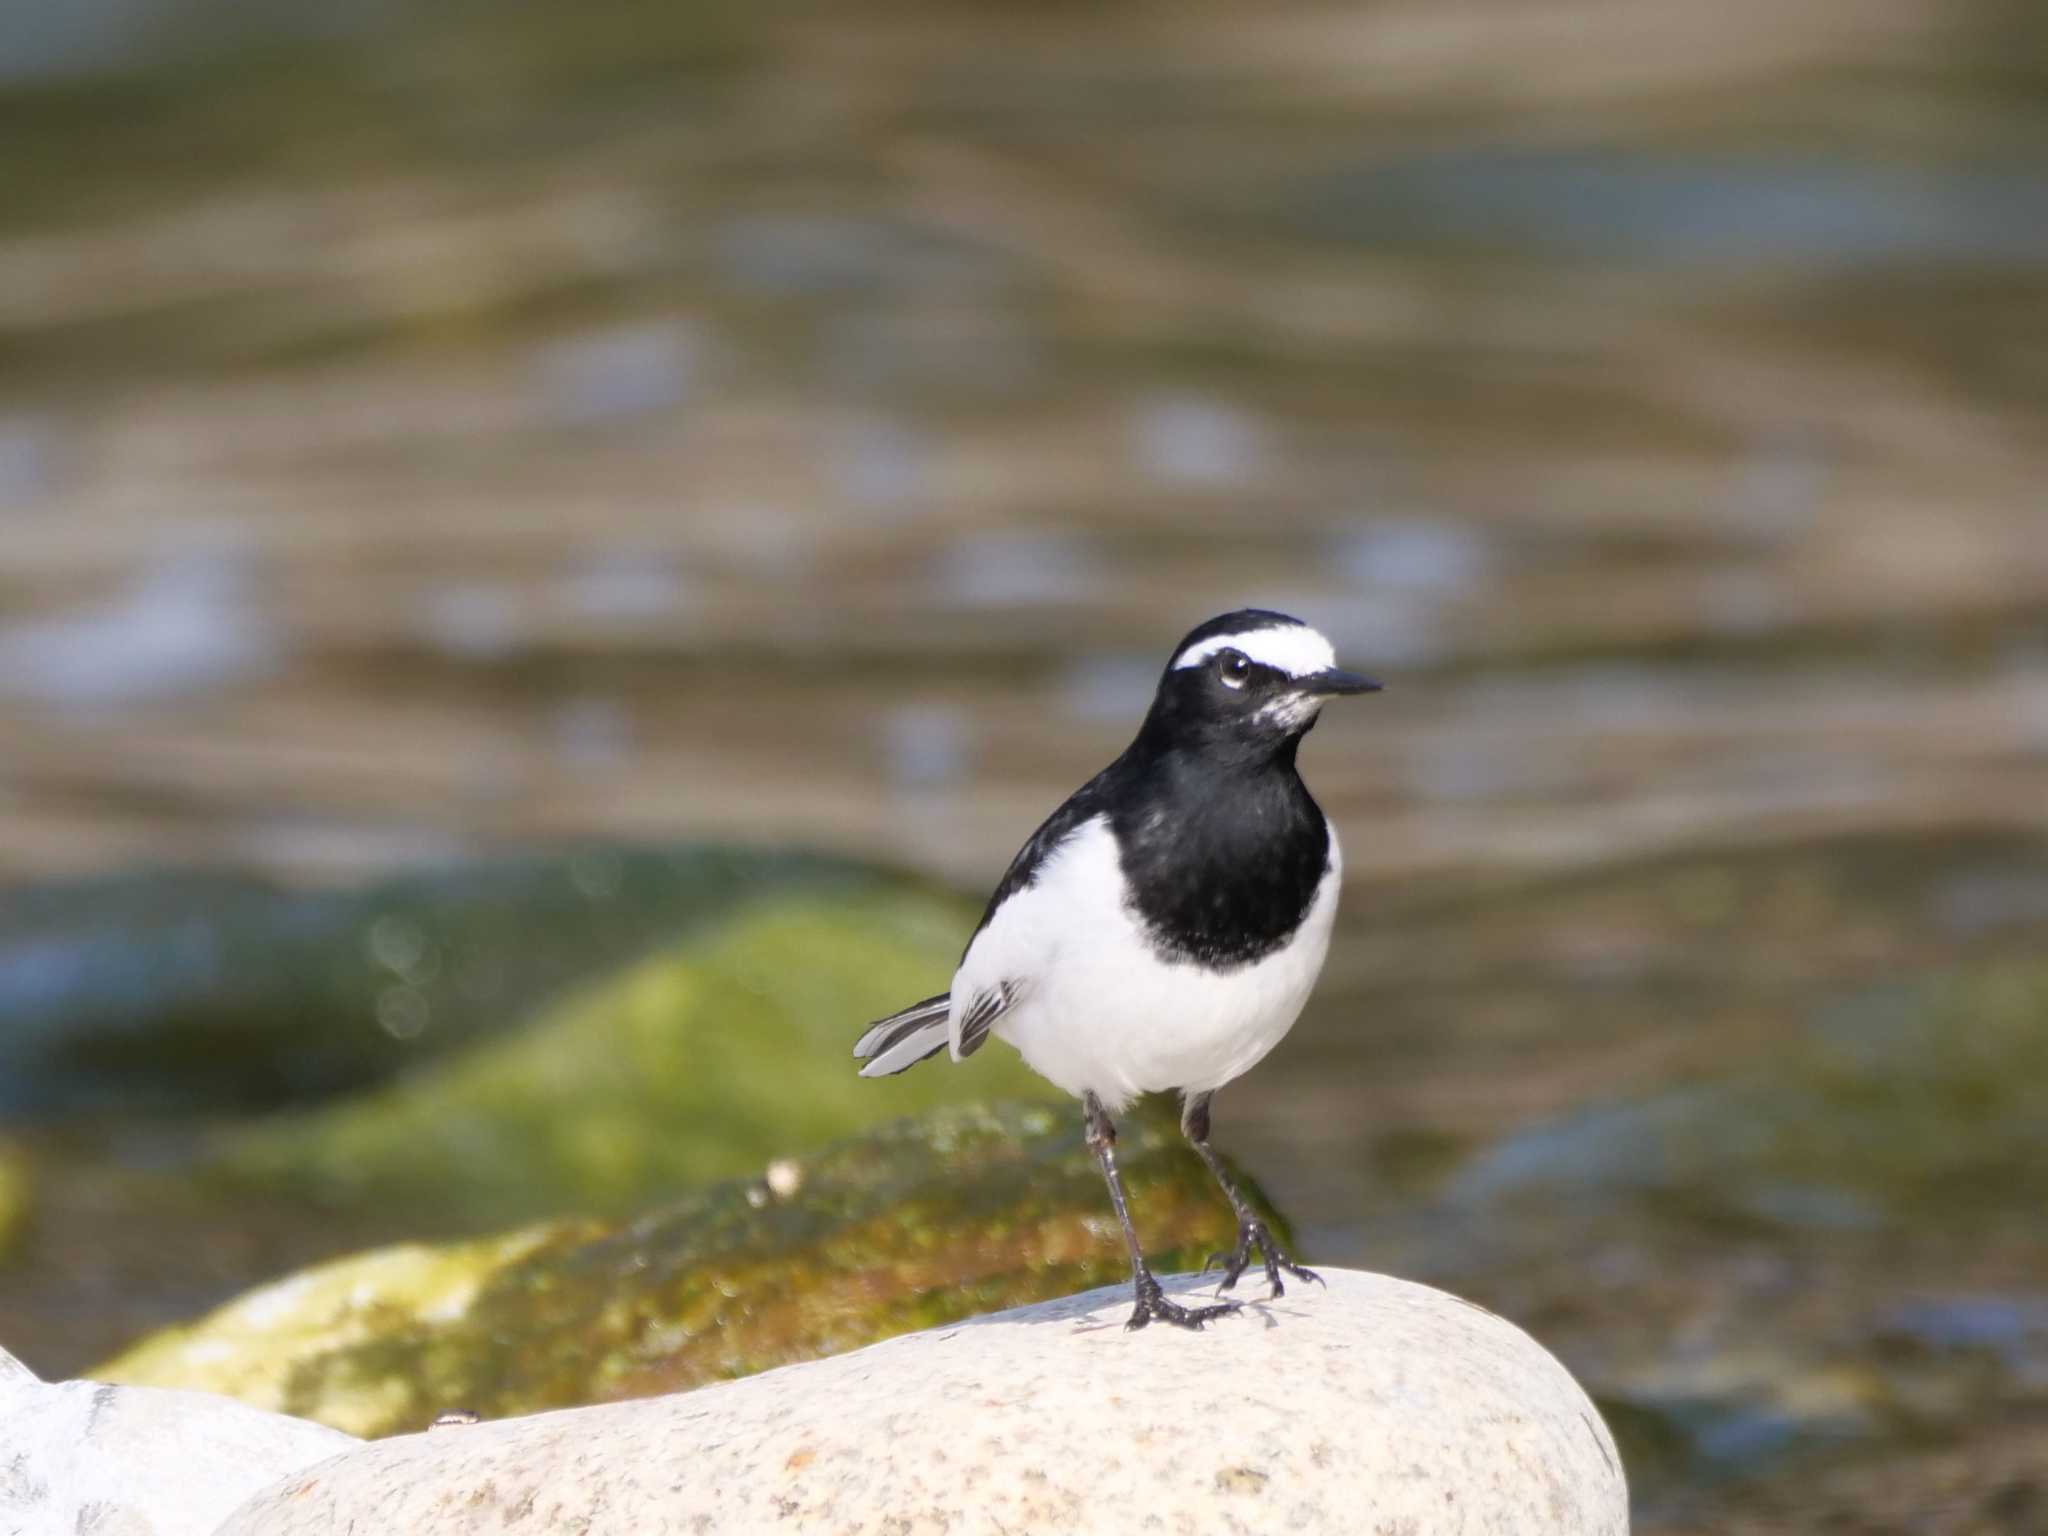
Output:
x=13 y=1374
x=95 y=1460
x=1372 y=1406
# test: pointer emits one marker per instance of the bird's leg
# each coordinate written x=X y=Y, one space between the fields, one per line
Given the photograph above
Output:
x=1251 y=1231
x=1152 y=1302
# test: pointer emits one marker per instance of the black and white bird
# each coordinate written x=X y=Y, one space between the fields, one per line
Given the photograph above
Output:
x=1163 y=928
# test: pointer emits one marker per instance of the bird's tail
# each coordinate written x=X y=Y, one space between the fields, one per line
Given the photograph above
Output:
x=902 y=1040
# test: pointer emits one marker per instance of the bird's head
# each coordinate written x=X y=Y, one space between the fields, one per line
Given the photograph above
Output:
x=1247 y=683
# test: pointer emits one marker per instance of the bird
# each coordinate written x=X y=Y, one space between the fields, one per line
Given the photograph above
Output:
x=1162 y=930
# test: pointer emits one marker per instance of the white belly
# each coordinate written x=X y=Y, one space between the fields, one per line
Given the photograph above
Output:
x=1101 y=1012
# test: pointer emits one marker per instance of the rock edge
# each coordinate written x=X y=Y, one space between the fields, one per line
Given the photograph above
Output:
x=85 y=1456
x=1357 y=1407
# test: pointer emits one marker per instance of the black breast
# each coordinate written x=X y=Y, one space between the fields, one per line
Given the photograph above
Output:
x=1222 y=869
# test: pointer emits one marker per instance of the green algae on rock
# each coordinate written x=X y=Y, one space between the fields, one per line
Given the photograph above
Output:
x=920 y=1222
x=194 y=990
x=728 y=1047
x=700 y=1063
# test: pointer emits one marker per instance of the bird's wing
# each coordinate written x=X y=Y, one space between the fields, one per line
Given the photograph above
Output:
x=1010 y=946
x=997 y=966
x=1081 y=807
x=980 y=1015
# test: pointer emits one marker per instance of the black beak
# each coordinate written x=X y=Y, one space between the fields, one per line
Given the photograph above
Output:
x=1333 y=681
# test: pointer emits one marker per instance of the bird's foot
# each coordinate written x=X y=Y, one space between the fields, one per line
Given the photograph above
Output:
x=1251 y=1234
x=1152 y=1304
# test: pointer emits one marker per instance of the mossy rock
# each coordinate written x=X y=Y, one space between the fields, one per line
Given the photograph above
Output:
x=921 y=1222
x=193 y=992
x=700 y=1063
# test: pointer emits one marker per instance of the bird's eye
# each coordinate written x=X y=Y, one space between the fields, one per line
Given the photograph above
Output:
x=1233 y=667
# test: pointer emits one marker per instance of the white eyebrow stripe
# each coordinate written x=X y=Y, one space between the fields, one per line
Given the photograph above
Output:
x=1294 y=649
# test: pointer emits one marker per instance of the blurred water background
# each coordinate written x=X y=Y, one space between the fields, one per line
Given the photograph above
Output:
x=429 y=434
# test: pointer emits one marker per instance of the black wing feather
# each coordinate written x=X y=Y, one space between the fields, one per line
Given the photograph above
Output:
x=981 y=1016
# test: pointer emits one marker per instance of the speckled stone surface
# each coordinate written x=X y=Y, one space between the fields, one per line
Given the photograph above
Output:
x=1374 y=1406
x=81 y=1458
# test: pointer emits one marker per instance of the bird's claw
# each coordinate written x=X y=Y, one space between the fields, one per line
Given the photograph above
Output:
x=1251 y=1234
x=1153 y=1305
